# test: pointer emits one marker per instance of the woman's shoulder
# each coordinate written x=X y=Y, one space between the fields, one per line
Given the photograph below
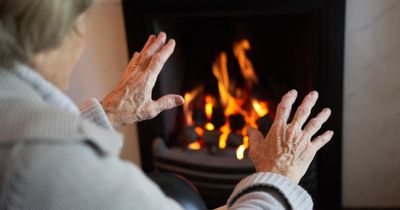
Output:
x=60 y=173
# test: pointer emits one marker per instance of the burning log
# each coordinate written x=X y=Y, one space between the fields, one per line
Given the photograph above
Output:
x=199 y=117
x=236 y=122
x=234 y=140
x=188 y=135
x=211 y=141
x=218 y=118
x=264 y=124
x=211 y=138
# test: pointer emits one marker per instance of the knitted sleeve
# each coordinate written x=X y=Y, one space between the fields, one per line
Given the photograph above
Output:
x=92 y=110
x=269 y=191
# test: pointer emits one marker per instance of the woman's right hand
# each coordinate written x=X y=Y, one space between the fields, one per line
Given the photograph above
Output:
x=287 y=149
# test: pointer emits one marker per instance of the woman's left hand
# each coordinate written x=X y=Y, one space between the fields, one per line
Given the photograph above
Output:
x=130 y=101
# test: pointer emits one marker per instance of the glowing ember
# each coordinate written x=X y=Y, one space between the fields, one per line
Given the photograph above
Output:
x=235 y=101
x=260 y=107
x=222 y=140
x=240 y=152
x=199 y=131
x=195 y=145
x=209 y=106
x=209 y=127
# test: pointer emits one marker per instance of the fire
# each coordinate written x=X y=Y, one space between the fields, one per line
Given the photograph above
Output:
x=242 y=148
x=195 y=145
x=240 y=152
x=199 y=131
x=189 y=97
x=246 y=66
x=260 y=107
x=222 y=140
x=209 y=106
x=209 y=126
x=233 y=100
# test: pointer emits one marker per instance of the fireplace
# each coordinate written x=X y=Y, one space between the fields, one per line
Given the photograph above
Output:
x=232 y=63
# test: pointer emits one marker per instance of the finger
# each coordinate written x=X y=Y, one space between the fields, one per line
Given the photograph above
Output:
x=167 y=102
x=255 y=135
x=315 y=123
x=255 y=138
x=304 y=110
x=285 y=106
x=148 y=53
x=158 y=60
x=132 y=64
x=149 y=41
x=321 y=140
x=135 y=59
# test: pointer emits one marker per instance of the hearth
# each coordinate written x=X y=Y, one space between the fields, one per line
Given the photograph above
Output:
x=232 y=64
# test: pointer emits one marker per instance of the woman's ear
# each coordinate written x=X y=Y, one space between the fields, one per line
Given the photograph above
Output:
x=80 y=25
x=38 y=60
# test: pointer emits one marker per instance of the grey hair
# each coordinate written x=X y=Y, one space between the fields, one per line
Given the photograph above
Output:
x=28 y=27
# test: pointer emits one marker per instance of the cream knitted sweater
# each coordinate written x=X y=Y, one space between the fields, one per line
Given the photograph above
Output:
x=53 y=156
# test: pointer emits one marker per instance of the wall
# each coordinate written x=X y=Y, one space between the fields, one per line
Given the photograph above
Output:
x=103 y=63
x=371 y=159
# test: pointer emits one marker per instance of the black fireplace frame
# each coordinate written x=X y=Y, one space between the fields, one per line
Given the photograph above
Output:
x=139 y=14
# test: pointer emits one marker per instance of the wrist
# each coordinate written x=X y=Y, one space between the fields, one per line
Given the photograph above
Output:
x=283 y=171
x=111 y=116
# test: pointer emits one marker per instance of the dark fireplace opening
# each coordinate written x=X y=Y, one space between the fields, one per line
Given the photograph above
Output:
x=233 y=64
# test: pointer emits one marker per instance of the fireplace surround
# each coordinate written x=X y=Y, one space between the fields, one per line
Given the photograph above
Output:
x=295 y=44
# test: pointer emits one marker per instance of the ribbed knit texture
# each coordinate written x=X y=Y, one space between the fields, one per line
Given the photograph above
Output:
x=92 y=110
x=297 y=197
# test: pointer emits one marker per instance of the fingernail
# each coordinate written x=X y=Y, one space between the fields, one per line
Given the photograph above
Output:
x=331 y=132
x=327 y=110
x=162 y=33
x=293 y=91
x=314 y=93
x=172 y=41
x=179 y=100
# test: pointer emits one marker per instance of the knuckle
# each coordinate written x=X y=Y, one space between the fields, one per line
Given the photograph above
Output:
x=157 y=58
x=283 y=107
x=147 y=54
x=303 y=110
x=291 y=130
x=314 y=123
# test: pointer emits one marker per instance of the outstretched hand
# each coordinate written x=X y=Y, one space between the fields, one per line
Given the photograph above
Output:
x=131 y=101
x=287 y=149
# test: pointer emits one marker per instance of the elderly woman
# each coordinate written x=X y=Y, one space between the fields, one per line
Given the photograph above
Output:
x=55 y=156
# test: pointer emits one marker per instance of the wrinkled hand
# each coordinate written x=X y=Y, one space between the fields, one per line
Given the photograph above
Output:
x=287 y=149
x=130 y=101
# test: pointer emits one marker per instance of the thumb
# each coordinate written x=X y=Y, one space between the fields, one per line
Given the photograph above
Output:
x=168 y=102
x=255 y=137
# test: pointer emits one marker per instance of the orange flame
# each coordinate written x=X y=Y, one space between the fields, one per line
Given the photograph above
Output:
x=242 y=148
x=199 y=131
x=240 y=152
x=260 y=107
x=209 y=126
x=234 y=100
x=209 y=106
x=189 y=97
x=222 y=140
x=246 y=66
x=195 y=145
